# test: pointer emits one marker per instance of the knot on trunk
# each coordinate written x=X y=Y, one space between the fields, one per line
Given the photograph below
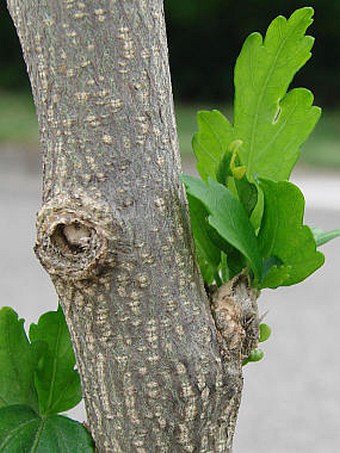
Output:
x=235 y=311
x=76 y=237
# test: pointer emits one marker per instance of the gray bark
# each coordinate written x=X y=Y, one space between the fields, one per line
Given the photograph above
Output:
x=160 y=367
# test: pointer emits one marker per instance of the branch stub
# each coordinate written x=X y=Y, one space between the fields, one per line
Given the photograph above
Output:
x=75 y=237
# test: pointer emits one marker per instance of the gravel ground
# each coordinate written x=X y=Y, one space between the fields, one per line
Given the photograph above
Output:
x=291 y=401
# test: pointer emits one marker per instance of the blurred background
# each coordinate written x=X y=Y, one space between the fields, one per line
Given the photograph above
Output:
x=291 y=401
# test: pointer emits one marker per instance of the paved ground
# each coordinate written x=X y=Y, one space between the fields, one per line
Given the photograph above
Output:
x=291 y=401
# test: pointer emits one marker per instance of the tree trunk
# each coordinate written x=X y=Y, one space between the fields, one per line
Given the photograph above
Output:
x=160 y=365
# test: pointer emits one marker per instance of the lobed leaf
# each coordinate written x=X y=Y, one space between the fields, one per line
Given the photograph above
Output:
x=271 y=123
x=56 y=381
x=17 y=360
x=283 y=234
x=22 y=430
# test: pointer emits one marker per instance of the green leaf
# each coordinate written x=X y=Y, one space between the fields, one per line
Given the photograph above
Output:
x=274 y=273
x=247 y=193
x=211 y=142
x=209 y=256
x=17 y=362
x=227 y=217
x=206 y=270
x=22 y=430
x=322 y=237
x=255 y=356
x=265 y=332
x=272 y=123
x=56 y=380
x=235 y=262
x=223 y=169
x=276 y=276
x=283 y=234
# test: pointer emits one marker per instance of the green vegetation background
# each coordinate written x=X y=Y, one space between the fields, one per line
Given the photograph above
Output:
x=205 y=38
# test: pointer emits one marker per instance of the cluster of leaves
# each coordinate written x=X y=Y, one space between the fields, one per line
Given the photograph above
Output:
x=37 y=382
x=245 y=213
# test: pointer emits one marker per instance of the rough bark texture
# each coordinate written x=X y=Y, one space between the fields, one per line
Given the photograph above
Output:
x=157 y=374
